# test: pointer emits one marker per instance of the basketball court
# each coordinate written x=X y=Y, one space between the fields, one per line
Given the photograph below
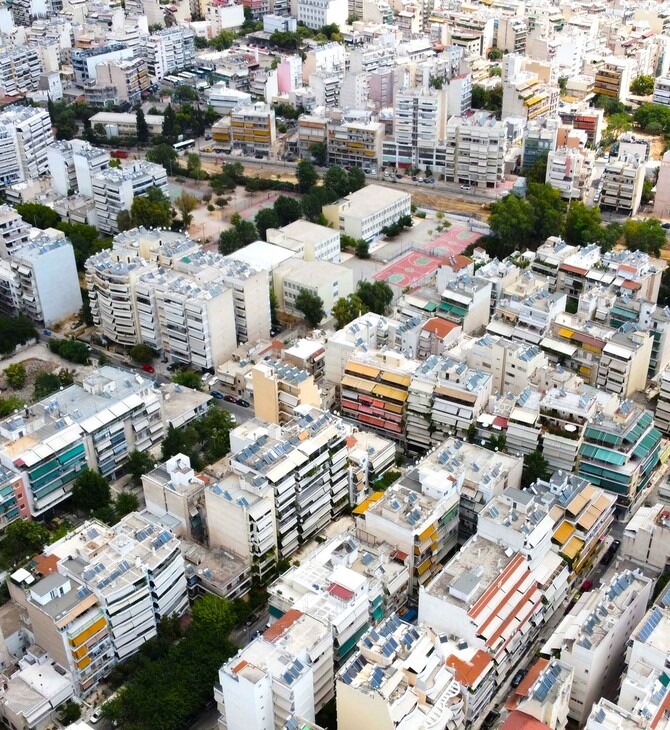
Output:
x=451 y=242
x=409 y=270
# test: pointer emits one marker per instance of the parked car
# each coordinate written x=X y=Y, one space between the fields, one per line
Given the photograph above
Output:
x=586 y=585
x=243 y=403
x=519 y=677
x=172 y=367
x=119 y=154
x=616 y=544
x=465 y=187
x=491 y=718
x=216 y=394
x=230 y=398
x=148 y=368
x=95 y=717
x=46 y=333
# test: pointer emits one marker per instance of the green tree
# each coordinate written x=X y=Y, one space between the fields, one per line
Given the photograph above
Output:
x=15 y=331
x=618 y=124
x=647 y=235
x=563 y=84
x=582 y=224
x=69 y=713
x=38 y=215
x=25 y=538
x=647 y=191
x=186 y=203
x=163 y=154
x=242 y=234
x=90 y=491
x=125 y=503
x=214 y=431
x=535 y=467
x=538 y=171
x=310 y=305
x=346 y=309
x=45 y=385
x=187 y=378
x=169 y=129
x=356 y=179
x=223 y=39
x=313 y=202
x=84 y=240
x=307 y=176
x=72 y=350
x=642 y=86
x=319 y=153
x=610 y=235
x=336 y=179
x=138 y=464
x=653 y=114
x=10 y=405
x=63 y=119
x=265 y=218
x=287 y=210
x=214 y=615
x=142 y=127
x=375 y=295
x=180 y=441
x=142 y=353
x=151 y=210
x=362 y=249
x=15 y=375
x=193 y=164
x=512 y=222
x=548 y=211
x=495 y=54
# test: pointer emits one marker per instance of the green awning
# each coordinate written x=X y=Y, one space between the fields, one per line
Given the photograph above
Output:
x=643 y=423
x=453 y=309
x=647 y=443
x=601 y=436
x=624 y=312
x=431 y=306
x=604 y=455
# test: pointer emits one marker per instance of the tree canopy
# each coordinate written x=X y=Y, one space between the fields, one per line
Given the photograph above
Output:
x=242 y=233
x=15 y=331
x=375 y=295
x=138 y=464
x=265 y=218
x=90 y=491
x=24 y=538
x=535 y=467
x=310 y=305
x=307 y=176
x=642 y=85
x=151 y=210
x=187 y=378
x=647 y=235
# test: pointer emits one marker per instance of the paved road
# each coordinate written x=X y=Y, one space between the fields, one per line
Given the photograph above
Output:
x=241 y=414
x=243 y=635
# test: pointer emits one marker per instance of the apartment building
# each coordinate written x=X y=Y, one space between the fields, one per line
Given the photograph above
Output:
x=661 y=91
x=355 y=144
x=624 y=362
x=304 y=463
x=121 y=124
x=241 y=518
x=475 y=149
x=72 y=165
x=223 y=100
x=25 y=133
x=168 y=50
x=14 y=231
x=92 y=425
x=569 y=171
x=605 y=715
x=662 y=413
x=317 y=13
x=13 y=497
x=364 y=213
x=528 y=91
x=584 y=118
x=174 y=491
x=309 y=241
x=279 y=388
x=544 y=694
x=540 y=137
x=370 y=456
x=476 y=594
x=134 y=570
x=328 y=281
x=129 y=77
x=285 y=672
x=20 y=70
x=646 y=537
x=613 y=77
x=86 y=60
x=251 y=129
x=397 y=657
x=215 y=572
x=592 y=637
x=115 y=188
x=620 y=452
x=622 y=182
x=46 y=283
x=465 y=301
x=419 y=119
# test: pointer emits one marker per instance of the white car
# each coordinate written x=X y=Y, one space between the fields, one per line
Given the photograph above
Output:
x=95 y=717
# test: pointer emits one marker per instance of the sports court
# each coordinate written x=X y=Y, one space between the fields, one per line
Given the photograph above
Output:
x=452 y=242
x=408 y=270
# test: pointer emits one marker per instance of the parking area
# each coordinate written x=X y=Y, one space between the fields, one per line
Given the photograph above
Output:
x=409 y=270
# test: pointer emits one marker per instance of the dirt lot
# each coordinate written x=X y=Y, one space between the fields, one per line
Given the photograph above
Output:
x=34 y=367
x=446 y=202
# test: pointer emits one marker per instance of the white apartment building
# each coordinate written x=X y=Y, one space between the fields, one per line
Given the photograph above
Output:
x=130 y=77
x=364 y=213
x=357 y=144
x=544 y=694
x=592 y=637
x=93 y=425
x=223 y=99
x=285 y=672
x=309 y=241
x=309 y=475
x=646 y=538
x=114 y=190
x=168 y=50
x=475 y=148
x=622 y=182
x=395 y=657
x=662 y=414
x=47 y=285
x=14 y=231
x=419 y=117
x=327 y=280
x=661 y=91
x=25 y=133
x=72 y=165
x=317 y=13
x=135 y=570
x=569 y=170
x=528 y=91
x=605 y=715
x=476 y=594
x=20 y=70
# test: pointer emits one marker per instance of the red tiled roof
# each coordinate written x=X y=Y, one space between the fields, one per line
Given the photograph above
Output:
x=351 y=441
x=524 y=688
x=500 y=421
x=340 y=592
x=521 y=721
x=439 y=326
x=458 y=262
x=467 y=673
x=45 y=565
x=278 y=628
x=239 y=667
x=632 y=285
x=399 y=555
x=573 y=269
x=493 y=588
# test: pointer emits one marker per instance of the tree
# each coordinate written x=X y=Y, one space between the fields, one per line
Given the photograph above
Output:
x=151 y=210
x=362 y=249
x=180 y=441
x=142 y=127
x=610 y=235
x=512 y=222
x=313 y=202
x=15 y=331
x=319 y=153
x=69 y=713
x=287 y=210
x=214 y=431
x=311 y=307
x=15 y=375
x=194 y=165
x=642 y=85
x=265 y=218
x=45 y=385
x=618 y=123
x=242 y=234
x=647 y=191
x=124 y=221
x=10 y=405
x=25 y=538
x=185 y=203
x=336 y=179
x=223 y=39
x=487 y=98
x=84 y=240
x=375 y=295
x=563 y=83
x=653 y=114
x=647 y=235
x=495 y=54
x=548 y=211
x=356 y=179
x=163 y=154
x=582 y=224
x=72 y=350
x=188 y=379
x=169 y=128
x=38 y=215
x=535 y=467
x=346 y=309
x=307 y=176
x=538 y=171
x=125 y=503
x=213 y=615
x=63 y=119
x=90 y=491
x=138 y=464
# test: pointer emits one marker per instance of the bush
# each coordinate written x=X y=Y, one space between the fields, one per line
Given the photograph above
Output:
x=16 y=376
x=71 y=350
x=142 y=353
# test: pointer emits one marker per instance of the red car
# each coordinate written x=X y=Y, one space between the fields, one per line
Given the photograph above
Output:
x=587 y=585
x=148 y=368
